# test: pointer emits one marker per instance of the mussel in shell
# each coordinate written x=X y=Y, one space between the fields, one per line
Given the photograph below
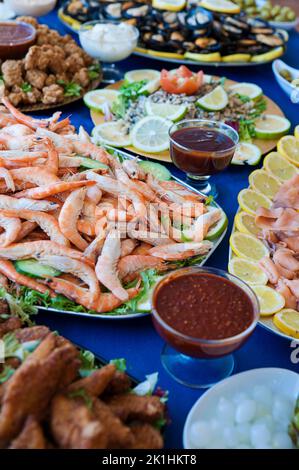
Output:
x=198 y=18
x=271 y=41
x=262 y=31
x=112 y=11
x=170 y=19
x=208 y=44
x=232 y=31
x=238 y=23
x=156 y=41
x=137 y=10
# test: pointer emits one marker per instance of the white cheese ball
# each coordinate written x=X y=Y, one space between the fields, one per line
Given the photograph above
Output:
x=201 y=434
x=245 y=411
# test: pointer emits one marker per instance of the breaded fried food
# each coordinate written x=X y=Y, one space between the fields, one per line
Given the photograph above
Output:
x=146 y=436
x=96 y=383
x=10 y=324
x=32 y=386
x=74 y=425
x=120 y=383
x=134 y=407
x=119 y=435
x=31 y=436
x=12 y=72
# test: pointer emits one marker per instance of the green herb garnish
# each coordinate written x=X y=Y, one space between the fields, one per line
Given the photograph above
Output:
x=94 y=71
x=70 y=88
x=26 y=87
x=87 y=363
x=209 y=200
x=129 y=92
x=120 y=364
x=81 y=393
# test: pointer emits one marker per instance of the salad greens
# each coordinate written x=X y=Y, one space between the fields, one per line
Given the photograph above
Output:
x=246 y=126
x=70 y=88
x=128 y=92
x=94 y=71
x=26 y=87
x=18 y=306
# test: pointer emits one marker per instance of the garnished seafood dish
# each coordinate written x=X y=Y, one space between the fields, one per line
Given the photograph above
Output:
x=84 y=231
x=264 y=243
x=76 y=400
x=53 y=71
x=138 y=112
x=188 y=33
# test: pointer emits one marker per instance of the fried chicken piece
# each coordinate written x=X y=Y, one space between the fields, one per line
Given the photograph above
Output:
x=146 y=436
x=32 y=333
x=74 y=425
x=29 y=20
x=81 y=77
x=53 y=94
x=31 y=436
x=120 y=383
x=16 y=98
x=12 y=72
x=10 y=324
x=74 y=63
x=42 y=34
x=36 y=78
x=119 y=435
x=31 y=388
x=71 y=48
x=36 y=59
x=131 y=407
x=96 y=383
x=50 y=80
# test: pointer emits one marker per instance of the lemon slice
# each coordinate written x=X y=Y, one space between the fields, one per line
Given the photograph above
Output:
x=170 y=5
x=174 y=112
x=212 y=57
x=141 y=74
x=264 y=183
x=165 y=55
x=245 y=223
x=248 y=89
x=248 y=271
x=269 y=299
x=250 y=200
x=271 y=126
x=216 y=100
x=150 y=134
x=97 y=98
x=296 y=132
x=268 y=56
x=111 y=133
x=287 y=320
x=246 y=153
x=221 y=6
x=236 y=58
x=247 y=246
x=288 y=147
x=279 y=166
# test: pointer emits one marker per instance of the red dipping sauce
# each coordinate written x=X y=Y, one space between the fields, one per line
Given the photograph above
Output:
x=202 y=314
x=15 y=39
x=201 y=151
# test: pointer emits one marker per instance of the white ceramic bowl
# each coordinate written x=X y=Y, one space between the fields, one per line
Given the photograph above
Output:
x=23 y=7
x=282 y=381
x=286 y=25
x=279 y=65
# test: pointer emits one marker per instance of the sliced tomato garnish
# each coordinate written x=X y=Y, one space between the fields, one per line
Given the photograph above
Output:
x=181 y=80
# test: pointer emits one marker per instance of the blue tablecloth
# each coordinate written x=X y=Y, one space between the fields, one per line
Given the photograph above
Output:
x=136 y=340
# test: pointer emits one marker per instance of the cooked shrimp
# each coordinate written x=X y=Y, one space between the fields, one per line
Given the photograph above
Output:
x=35 y=175
x=22 y=118
x=69 y=215
x=12 y=227
x=127 y=247
x=26 y=228
x=77 y=268
x=108 y=301
x=6 y=175
x=134 y=170
x=88 y=149
x=63 y=145
x=47 y=223
x=8 y=269
x=18 y=130
x=151 y=238
x=87 y=226
x=177 y=251
x=142 y=249
x=52 y=189
x=133 y=264
x=53 y=156
x=202 y=225
x=106 y=267
x=94 y=249
x=7 y=120
x=9 y=202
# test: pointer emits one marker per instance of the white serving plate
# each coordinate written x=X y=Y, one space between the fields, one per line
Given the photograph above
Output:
x=282 y=381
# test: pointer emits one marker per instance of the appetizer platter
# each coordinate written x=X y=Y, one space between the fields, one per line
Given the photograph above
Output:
x=264 y=242
x=78 y=401
x=53 y=72
x=120 y=227
x=187 y=33
x=147 y=102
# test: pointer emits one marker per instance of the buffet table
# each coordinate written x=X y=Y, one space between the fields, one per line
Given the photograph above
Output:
x=135 y=339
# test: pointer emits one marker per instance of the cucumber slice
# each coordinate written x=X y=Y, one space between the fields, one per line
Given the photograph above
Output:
x=92 y=164
x=218 y=228
x=159 y=171
x=33 y=268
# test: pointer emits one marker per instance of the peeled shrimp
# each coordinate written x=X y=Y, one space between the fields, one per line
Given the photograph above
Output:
x=69 y=215
x=8 y=269
x=177 y=251
x=106 y=267
x=52 y=189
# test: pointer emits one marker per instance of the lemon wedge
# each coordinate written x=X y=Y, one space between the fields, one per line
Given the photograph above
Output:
x=279 y=167
x=250 y=200
x=221 y=6
x=287 y=321
x=269 y=299
x=211 y=57
x=268 y=56
x=170 y=5
x=247 y=246
x=288 y=147
x=245 y=223
x=216 y=100
x=264 y=183
x=271 y=126
x=296 y=132
x=236 y=58
x=248 y=89
x=248 y=271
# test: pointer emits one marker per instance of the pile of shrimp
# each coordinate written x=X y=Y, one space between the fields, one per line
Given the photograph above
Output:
x=280 y=226
x=100 y=228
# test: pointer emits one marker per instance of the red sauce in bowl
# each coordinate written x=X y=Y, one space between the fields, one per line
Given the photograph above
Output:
x=15 y=39
x=196 y=311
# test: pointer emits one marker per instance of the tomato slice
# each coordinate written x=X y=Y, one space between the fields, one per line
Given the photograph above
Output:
x=181 y=80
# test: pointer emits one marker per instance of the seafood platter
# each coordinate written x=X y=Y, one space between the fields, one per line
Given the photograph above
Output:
x=264 y=241
x=52 y=71
x=191 y=32
x=148 y=99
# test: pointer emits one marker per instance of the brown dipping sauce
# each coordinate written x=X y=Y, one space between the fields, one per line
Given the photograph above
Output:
x=196 y=150
x=202 y=306
x=15 y=39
